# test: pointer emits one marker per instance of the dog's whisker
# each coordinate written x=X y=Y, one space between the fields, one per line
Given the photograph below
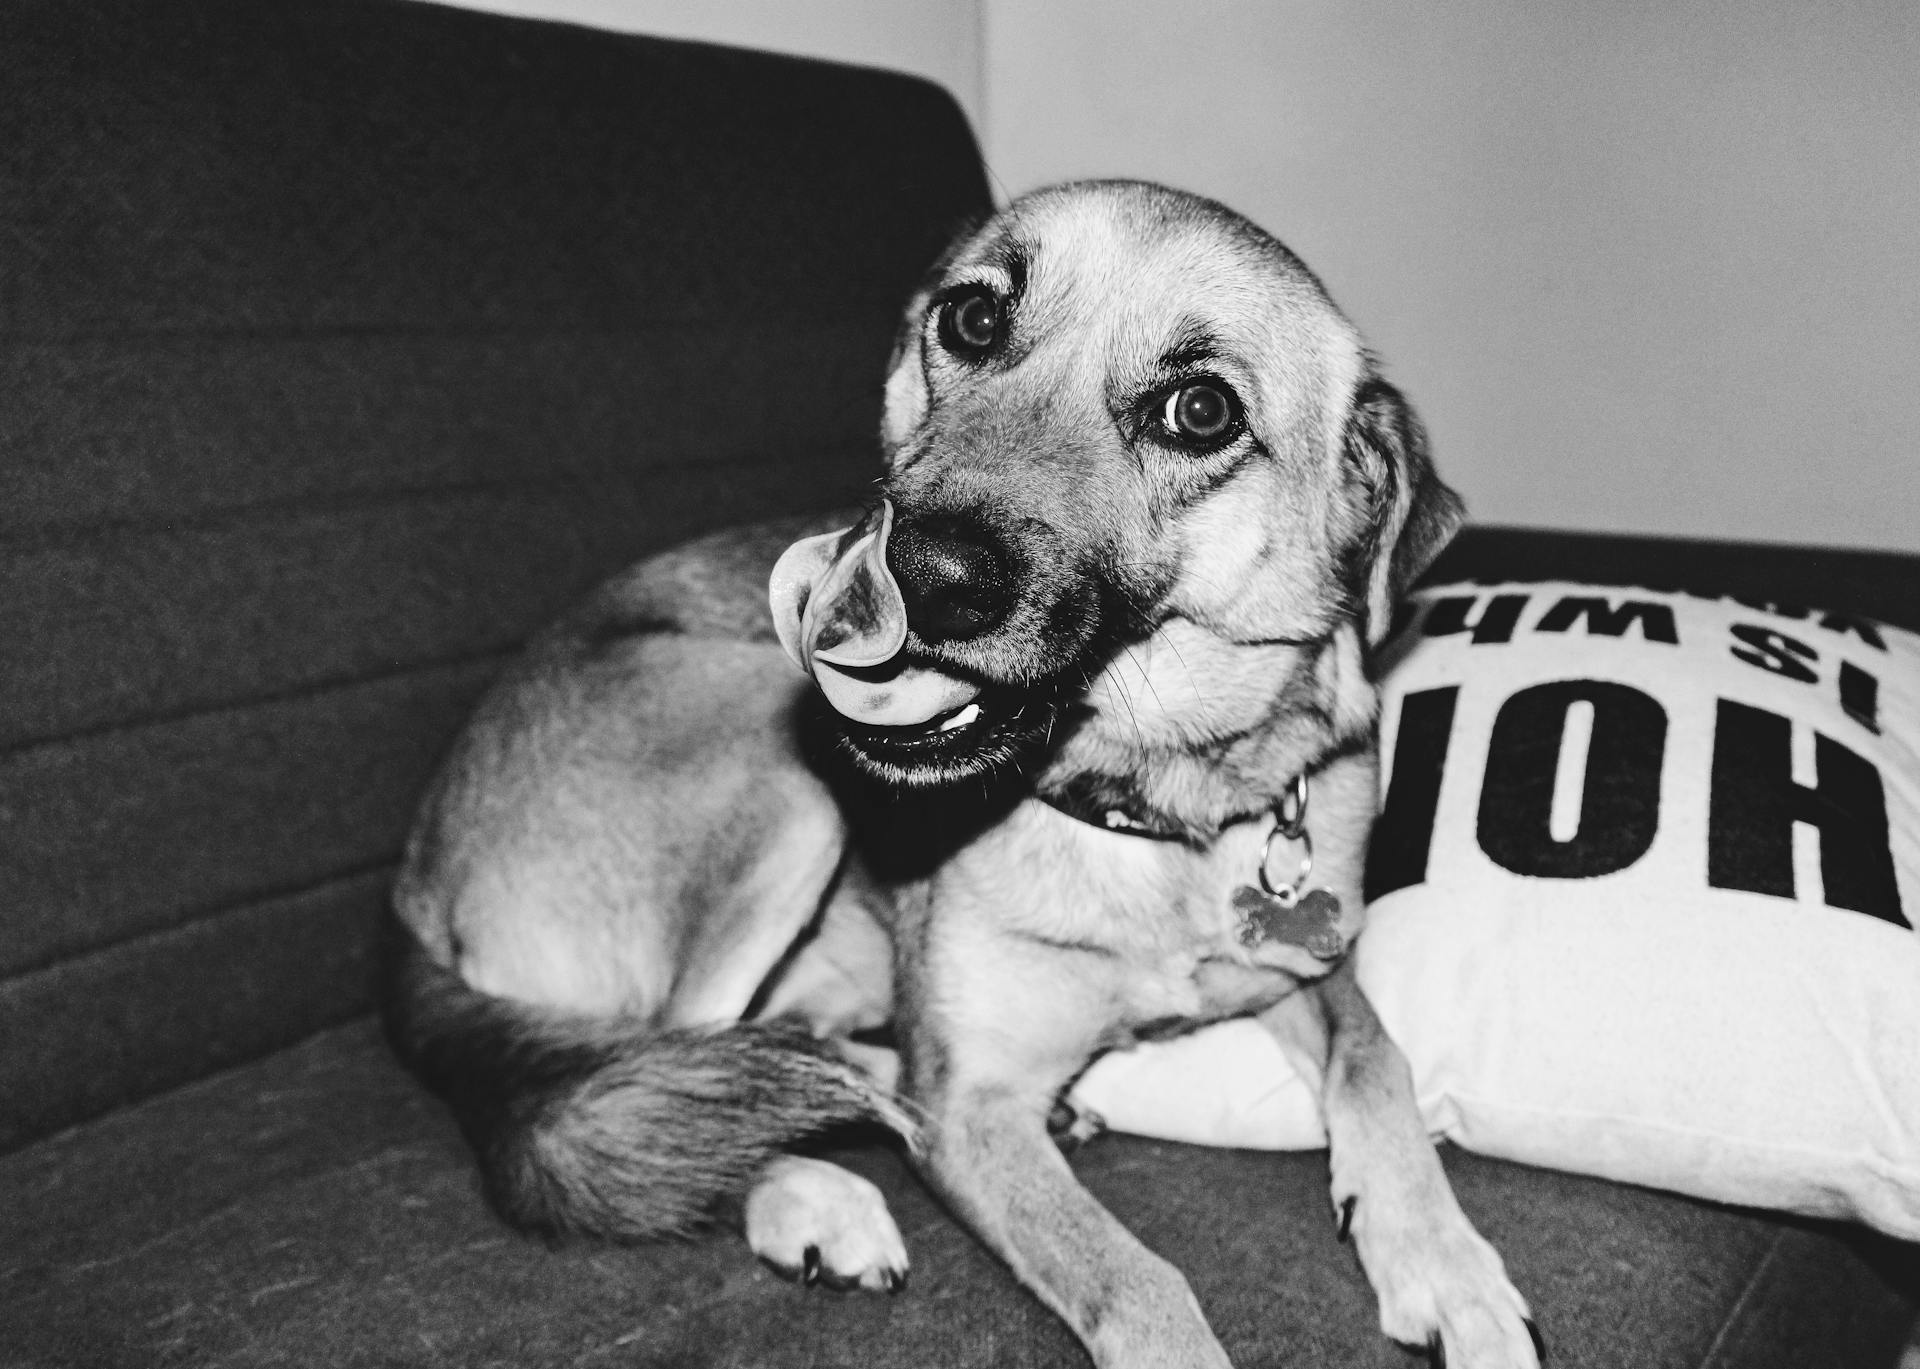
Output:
x=1120 y=688
x=1147 y=680
x=1192 y=679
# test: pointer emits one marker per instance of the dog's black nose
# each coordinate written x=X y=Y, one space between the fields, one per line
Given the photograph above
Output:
x=953 y=574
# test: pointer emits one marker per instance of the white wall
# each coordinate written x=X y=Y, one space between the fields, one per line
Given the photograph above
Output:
x=1643 y=265
x=1648 y=265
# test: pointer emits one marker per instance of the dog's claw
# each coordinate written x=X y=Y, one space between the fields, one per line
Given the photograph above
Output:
x=1539 y=1341
x=1343 y=1228
x=810 y=1267
x=895 y=1279
x=1436 y=1351
x=1072 y=1126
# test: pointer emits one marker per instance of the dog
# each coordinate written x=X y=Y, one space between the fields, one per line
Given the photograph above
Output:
x=1087 y=754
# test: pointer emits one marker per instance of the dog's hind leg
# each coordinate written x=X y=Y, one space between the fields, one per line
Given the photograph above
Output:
x=779 y=889
x=808 y=1219
x=838 y=975
x=1441 y=1285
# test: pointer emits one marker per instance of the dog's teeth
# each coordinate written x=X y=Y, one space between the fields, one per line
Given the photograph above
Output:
x=962 y=718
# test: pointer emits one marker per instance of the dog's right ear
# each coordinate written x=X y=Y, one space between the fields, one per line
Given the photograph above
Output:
x=904 y=406
x=1412 y=514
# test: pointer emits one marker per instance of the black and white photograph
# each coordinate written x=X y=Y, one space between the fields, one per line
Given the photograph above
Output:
x=959 y=684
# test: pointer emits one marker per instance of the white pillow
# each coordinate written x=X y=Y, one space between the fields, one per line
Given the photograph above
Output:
x=1696 y=970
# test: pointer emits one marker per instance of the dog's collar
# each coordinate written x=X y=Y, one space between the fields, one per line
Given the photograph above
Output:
x=1115 y=807
x=1290 y=912
x=1112 y=808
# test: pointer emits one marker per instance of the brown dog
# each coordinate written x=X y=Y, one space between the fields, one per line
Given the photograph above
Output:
x=1091 y=756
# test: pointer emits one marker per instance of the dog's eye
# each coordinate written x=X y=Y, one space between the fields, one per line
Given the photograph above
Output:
x=970 y=323
x=1202 y=413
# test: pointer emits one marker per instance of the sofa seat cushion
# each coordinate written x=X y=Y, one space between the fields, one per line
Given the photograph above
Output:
x=318 y=1208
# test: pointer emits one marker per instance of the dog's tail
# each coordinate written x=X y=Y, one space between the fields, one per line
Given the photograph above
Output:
x=617 y=1128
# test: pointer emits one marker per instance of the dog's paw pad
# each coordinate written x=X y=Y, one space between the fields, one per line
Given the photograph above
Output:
x=817 y=1224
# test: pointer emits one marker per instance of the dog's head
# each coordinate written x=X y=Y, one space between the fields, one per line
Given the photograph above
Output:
x=1141 y=473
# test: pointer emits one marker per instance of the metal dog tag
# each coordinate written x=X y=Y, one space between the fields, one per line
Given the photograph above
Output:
x=1312 y=920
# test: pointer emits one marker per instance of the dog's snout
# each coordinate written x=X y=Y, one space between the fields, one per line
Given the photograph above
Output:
x=955 y=576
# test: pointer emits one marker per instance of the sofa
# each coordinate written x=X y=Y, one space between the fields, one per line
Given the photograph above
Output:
x=342 y=343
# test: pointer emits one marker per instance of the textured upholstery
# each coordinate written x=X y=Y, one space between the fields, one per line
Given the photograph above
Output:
x=342 y=343
x=317 y=1208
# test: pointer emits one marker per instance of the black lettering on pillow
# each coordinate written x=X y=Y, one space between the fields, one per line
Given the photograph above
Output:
x=1756 y=801
x=1495 y=623
x=1774 y=651
x=1403 y=833
x=1604 y=620
x=1860 y=696
x=1865 y=629
x=1619 y=799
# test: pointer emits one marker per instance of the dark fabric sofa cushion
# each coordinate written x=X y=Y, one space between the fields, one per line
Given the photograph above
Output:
x=343 y=343
x=319 y=1209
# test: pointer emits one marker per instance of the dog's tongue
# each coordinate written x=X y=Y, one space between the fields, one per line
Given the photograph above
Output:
x=841 y=617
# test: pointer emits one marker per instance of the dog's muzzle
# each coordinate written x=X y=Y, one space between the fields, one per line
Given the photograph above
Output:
x=868 y=629
x=842 y=618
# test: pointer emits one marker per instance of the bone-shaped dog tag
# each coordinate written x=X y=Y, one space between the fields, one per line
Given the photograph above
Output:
x=1311 y=921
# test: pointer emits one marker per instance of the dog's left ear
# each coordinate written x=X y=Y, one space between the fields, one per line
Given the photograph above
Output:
x=1412 y=514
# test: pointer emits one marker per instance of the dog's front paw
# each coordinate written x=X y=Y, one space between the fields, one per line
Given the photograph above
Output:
x=1441 y=1285
x=814 y=1222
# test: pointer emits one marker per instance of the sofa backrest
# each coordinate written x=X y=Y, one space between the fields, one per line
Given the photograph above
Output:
x=341 y=344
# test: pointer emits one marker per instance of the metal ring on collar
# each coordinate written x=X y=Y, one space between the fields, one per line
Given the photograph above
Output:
x=1291 y=812
x=1289 y=892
